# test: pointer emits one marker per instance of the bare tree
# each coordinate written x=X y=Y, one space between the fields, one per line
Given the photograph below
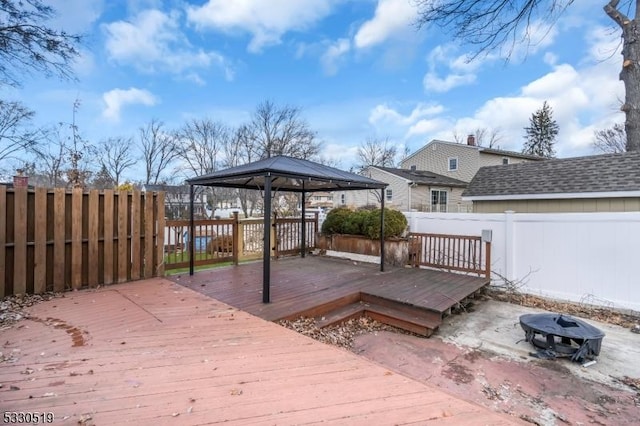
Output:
x=484 y=136
x=27 y=45
x=280 y=130
x=492 y=24
x=15 y=135
x=200 y=144
x=611 y=140
x=630 y=74
x=237 y=151
x=158 y=150
x=52 y=159
x=103 y=179
x=77 y=149
x=116 y=156
x=376 y=152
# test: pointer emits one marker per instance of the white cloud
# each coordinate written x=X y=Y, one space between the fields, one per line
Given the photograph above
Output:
x=424 y=127
x=334 y=54
x=433 y=83
x=533 y=38
x=153 y=41
x=391 y=18
x=382 y=113
x=460 y=69
x=266 y=21
x=75 y=16
x=116 y=99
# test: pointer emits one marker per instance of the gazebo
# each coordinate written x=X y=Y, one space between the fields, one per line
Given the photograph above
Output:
x=284 y=174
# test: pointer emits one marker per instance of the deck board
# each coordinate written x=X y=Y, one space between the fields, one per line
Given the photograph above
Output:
x=298 y=284
x=157 y=353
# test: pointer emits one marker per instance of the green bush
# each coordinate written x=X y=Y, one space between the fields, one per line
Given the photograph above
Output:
x=364 y=222
x=334 y=222
x=395 y=223
x=354 y=223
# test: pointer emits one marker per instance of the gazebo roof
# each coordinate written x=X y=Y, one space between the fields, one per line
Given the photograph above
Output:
x=287 y=174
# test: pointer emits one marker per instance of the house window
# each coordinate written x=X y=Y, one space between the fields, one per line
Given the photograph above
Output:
x=438 y=201
x=389 y=193
x=343 y=200
x=453 y=164
x=505 y=160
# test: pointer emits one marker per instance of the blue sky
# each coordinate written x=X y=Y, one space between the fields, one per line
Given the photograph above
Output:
x=357 y=68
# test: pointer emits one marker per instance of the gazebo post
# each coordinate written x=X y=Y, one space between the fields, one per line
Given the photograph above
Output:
x=266 y=259
x=303 y=236
x=382 y=230
x=192 y=228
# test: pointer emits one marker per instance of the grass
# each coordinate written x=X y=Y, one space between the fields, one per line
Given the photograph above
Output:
x=173 y=258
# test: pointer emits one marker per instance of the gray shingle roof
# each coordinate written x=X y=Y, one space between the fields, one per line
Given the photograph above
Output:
x=424 y=177
x=596 y=173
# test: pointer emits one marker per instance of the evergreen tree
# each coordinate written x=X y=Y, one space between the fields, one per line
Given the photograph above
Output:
x=541 y=133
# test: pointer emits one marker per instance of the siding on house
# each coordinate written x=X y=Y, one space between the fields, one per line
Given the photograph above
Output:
x=411 y=190
x=580 y=205
x=435 y=156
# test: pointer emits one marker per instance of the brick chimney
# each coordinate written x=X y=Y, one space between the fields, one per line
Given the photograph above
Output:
x=20 y=180
x=471 y=140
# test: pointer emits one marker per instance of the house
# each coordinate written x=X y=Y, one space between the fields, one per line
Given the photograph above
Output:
x=416 y=190
x=438 y=172
x=598 y=183
x=176 y=201
x=319 y=200
x=460 y=161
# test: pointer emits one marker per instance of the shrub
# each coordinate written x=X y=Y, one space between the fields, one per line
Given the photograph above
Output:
x=364 y=222
x=395 y=223
x=354 y=223
x=334 y=222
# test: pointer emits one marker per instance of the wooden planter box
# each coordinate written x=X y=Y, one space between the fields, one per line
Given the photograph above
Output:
x=396 y=250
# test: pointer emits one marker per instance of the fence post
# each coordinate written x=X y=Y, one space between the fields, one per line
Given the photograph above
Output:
x=237 y=238
x=3 y=238
x=20 y=240
x=509 y=254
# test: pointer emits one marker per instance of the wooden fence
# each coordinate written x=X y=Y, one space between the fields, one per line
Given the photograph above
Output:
x=450 y=252
x=233 y=240
x=57 y=240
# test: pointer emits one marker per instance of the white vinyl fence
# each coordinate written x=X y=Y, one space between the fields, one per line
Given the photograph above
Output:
x=592 y=258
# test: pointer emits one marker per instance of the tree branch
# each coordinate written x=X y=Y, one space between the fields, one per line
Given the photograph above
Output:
x=619 y=17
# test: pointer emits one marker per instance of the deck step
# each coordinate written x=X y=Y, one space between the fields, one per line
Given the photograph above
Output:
x=434 y=316
x=417 y=321
x=344 y=313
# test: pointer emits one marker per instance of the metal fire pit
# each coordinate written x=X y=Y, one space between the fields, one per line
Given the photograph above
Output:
x=562 y=336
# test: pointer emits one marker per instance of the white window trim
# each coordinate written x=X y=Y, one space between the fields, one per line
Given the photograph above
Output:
x=388 y=194
x=449 y=164
x=507 y=161
x=446 y=206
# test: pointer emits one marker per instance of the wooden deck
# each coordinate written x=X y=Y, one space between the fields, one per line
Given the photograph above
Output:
x=156 y=353
x=319 y=286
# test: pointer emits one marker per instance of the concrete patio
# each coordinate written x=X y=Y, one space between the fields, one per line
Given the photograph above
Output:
x=154 y=352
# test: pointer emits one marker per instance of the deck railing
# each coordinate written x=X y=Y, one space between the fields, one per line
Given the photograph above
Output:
x=451 y=253
x=233 y=240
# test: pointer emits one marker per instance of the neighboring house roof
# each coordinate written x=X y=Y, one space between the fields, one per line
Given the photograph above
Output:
x=480 y=149
x=609 y=175
x=424 y=177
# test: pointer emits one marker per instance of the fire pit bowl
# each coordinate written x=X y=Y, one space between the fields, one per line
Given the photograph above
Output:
x=561 y=336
